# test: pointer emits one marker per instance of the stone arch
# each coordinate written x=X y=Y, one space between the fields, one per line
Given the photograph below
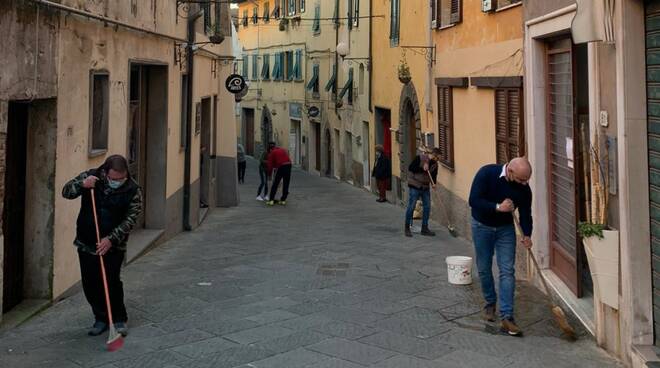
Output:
x=410 y=128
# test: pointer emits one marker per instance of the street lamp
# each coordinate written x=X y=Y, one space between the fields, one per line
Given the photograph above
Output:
x=342 y=49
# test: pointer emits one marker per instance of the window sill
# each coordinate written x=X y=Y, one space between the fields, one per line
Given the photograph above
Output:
x=508 y=7
x=97 y=152
x=448 y=167
x=442 y=28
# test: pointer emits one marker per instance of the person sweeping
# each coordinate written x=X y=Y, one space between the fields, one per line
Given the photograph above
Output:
x=497 y=190
x=278 y=159
x=422 y=171
x=109 y=216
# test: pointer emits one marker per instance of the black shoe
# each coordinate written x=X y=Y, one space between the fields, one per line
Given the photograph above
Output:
x=381 y=200
x=408 y=232
x=489 y=313
x=426 y=231
x=98 y=328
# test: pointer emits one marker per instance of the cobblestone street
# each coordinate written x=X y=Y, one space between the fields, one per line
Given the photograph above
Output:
x=329 y=281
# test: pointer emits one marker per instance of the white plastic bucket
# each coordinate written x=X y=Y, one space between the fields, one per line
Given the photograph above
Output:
x=459 y=270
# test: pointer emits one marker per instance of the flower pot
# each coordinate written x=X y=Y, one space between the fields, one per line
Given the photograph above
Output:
x=603 y=258
x=405 y=79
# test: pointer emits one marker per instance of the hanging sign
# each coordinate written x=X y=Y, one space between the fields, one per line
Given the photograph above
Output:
x=235 y=83
x=313 y=112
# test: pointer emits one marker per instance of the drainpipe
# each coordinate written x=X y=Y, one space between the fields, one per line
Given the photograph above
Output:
x=336 y=71
x=189 y=103
x=371 y=51
x=429 y=68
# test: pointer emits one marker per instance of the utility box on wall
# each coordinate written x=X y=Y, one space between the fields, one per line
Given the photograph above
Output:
x=487 y=6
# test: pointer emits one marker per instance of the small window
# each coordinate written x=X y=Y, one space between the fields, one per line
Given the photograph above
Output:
x=504 y=3
x=450 y=12
x=289 y=66
x=331 y=86
x=313 y=84
x=335 y=14
x=394 y=23
x=266 y=12
x=361 y=80
x=356 y=13
x=277 y=10
x=184 y=110
x=509 y=129
x=298 y=65
x=302 y=6
x=255 y=67
x=446 y=126
x=316 y=26
x=255 y=15
x=265 y=69
x=245 y=66
x=99 y=106
x=245 y=18
x=292 y=7
x=348 y=88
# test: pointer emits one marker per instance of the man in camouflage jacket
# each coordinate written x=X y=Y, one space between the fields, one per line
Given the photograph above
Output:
x=118 y=204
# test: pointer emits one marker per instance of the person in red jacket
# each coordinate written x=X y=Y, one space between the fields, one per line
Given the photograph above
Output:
x=278 y=159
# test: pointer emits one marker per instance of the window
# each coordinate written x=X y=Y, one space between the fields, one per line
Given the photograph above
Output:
x=313 y=84
x=289 y=66
x=331 y=86
x=245 y=66
x=184 y=110
x=297 y=66
x=448 y=12
x=350 y=13
x=302 y=6
x=348 y=88
x=277 y=67
x=206 y=7
x=292 y=7
x=394 y=22
x=266 y=12
x=335 y=15
x=277 y=10
x=255 y=15
x=98 y=106
x=255 y=67
x=445 y=126
x=361 y=80
x=245 y=18
x=508 y=124
x=504 y=3
x=356 y=13
x=265 y=69
x=316 y=26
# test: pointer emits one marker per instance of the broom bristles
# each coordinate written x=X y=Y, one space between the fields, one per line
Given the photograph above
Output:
x=115 y=340
x=560 y=318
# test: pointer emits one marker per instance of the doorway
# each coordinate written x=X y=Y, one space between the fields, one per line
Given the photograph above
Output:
x=248 y=126
x=329 y=169
x=568 y=119
x=147 y=140
x=29 y=199
x=383 y=130
x=336 y=145
x=366 y=150
x=205 y=156
x=349 y=157
x=317 y=146
x=294 y=142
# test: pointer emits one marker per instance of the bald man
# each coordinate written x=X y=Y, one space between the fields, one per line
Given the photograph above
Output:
x=497 y=190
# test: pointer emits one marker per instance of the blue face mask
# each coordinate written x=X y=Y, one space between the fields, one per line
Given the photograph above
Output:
x=116 y=184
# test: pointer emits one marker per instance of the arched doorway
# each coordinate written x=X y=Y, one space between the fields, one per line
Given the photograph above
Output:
x=328 y=154
x=266 y=127
x=410 y=127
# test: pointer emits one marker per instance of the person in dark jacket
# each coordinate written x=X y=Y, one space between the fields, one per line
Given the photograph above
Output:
x=118 y=204
x=420 y=172
x=382 y=172
x=278 y=159
x=497 y=190
x=263 y=176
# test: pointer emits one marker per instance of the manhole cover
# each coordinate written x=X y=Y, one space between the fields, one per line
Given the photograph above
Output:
x=333 y=269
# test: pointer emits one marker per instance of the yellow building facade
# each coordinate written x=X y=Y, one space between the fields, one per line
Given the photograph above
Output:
x=477 y=96
x=303 y=94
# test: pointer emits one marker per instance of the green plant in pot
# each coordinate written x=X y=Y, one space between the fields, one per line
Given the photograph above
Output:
x=404 y=70
x=601 y=243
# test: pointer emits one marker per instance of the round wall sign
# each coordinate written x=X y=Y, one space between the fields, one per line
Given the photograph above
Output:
x=235 y=83
x=313 y=112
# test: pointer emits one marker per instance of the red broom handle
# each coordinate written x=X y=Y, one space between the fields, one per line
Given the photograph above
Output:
x=105 y=279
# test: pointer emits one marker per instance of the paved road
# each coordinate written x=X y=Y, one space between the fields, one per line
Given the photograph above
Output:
x=328 y=281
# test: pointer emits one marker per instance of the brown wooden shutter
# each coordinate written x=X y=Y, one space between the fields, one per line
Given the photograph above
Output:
x=456 y=11
x=445 y=127
x=508 y=124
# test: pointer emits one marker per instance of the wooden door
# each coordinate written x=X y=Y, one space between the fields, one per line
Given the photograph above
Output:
x=317 y=145
x=137 y=145
x=13 y=216
x=653 y=127
x=562 y=135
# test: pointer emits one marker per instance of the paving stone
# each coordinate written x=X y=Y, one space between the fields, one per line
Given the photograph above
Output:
x=468 y=359
x=258 y=334
x=174 y=339
x=406 y=361
x=346 y=330
x=233 y=357
x=305 y=322
x=220 y=328
x=205 y=347
x=352 y=315
x=293 y=359
x=157 y=359
x=293 y=341
x=334 y=363
x=353 y=351
x=272 y=316
x=421 y=314
x=410 y=327
x=428 y=302
x=422 y=348
x=307 y=308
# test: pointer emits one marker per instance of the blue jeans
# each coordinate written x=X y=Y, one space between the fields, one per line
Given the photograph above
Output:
x=413 y=195
x=263 y=186
x=501 y=241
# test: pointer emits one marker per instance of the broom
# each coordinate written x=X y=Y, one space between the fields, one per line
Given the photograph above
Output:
x=450 y=227
x=115 y=340
x=557 y=311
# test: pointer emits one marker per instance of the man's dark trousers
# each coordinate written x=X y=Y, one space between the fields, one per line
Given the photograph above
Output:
x=92 y=282
x=284 y=174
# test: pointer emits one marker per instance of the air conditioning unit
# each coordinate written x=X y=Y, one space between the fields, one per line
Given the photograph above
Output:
x=434 y=24
x=487 y=5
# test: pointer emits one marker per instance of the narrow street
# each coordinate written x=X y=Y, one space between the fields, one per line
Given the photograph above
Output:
x=329 y=281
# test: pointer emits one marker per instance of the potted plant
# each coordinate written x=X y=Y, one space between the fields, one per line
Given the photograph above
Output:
x=404 y=71
x=601 y=243
x=284 y=22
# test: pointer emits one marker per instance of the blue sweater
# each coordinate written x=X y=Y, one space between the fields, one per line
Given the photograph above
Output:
x=489 y=189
